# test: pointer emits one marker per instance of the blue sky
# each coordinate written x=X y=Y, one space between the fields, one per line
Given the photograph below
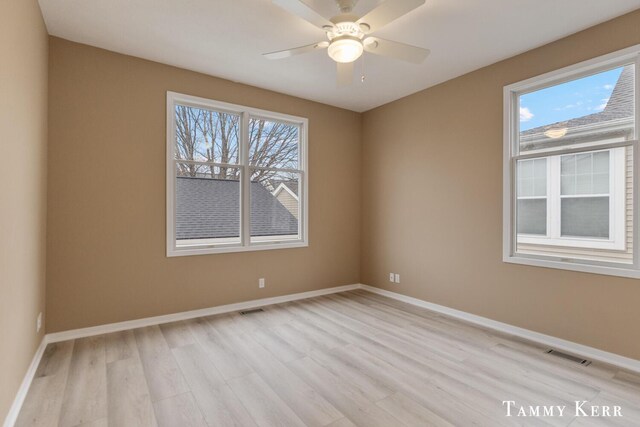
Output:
x=567 y=101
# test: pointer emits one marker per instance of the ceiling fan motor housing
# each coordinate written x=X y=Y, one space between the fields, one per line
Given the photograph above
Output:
x=345 y=39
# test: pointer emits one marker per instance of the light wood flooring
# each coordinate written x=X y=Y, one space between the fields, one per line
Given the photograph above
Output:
x=353 y=358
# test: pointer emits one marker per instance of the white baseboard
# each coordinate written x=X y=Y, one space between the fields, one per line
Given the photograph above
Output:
x=553 y=342
x=12 y=416
x=167 y=318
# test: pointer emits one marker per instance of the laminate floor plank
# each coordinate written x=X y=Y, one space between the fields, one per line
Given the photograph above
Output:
x=224 y=358
x=44 y=401
x=85 y=396
x=349 y=399
x=56 y=358
x=307 y=403
x=280 y=348
x=411 y=413
x=341 y=360
x=120 y=345
x=218 y=405
x=163 y=375
x=177 y=334
x=129 y=402
x=180 y=410
x=264 y=405
x=342 y=422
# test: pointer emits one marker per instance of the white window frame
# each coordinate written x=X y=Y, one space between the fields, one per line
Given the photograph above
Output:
x=246 y=113
x=511 y=155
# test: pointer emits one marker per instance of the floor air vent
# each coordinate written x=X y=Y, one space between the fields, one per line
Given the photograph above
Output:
x=579 y=360
x=255 y=310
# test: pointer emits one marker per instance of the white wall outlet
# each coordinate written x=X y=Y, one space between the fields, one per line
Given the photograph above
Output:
x=397 y=278
x=391 y=277
x=261 y=282
x=39 y=322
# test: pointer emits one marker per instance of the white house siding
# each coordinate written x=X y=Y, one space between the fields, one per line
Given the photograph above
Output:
x=289 y=202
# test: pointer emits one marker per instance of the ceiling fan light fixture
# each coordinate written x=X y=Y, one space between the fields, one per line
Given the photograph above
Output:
x=345 y=49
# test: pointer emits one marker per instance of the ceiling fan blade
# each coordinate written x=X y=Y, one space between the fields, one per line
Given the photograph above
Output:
x=388 y=11
x=345 y=73
x=295 y=51
x=395 y=50
x=300 y=9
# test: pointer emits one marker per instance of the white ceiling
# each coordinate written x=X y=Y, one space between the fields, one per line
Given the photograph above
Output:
x=225 y=38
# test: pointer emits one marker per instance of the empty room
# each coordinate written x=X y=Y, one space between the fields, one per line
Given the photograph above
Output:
x=337 y=213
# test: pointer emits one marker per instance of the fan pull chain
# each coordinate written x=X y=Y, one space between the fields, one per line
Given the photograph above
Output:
x=362 y=76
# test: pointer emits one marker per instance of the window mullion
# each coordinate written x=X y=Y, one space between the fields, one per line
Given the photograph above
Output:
x=554 y=197
x=245 y=204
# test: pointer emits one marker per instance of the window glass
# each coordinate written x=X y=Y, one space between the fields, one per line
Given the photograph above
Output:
x=585 y=217
x=275 y=205
x=273 y=144
x=585 y=173
x=207 y=205
x=206 y=135
x=532 y=216
x=581 y=112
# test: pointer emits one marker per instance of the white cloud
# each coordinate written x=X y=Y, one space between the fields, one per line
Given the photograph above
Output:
x=602 y=106
x=608 y=87
x=525 y=114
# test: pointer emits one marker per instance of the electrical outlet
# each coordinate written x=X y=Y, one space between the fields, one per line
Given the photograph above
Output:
x=397 y=279
x=39 y=322
x=391 y=277
x=261 y=282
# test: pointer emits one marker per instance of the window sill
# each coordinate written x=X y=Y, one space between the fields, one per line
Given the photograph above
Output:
x=574 y=242
x=188 y=251
x=607 y=270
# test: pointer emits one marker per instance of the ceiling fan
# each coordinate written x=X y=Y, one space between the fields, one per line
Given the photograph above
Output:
x=348 y=35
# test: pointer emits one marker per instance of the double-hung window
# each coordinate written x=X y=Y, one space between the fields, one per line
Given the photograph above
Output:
x=570 y=169
x=236 y=178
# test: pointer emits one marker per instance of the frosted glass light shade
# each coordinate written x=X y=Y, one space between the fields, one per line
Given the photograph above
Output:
x=345 y=50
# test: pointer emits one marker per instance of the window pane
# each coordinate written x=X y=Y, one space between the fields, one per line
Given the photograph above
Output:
x=532 y=216
x=601 y=183
x=568 y=184
x=532 y=178
x=585 y=173
x=580 y=112
x=207 y=205
x=601 y=162
x=273 y=144
x=206 y=135
x=275 y=206
x=585 y=217
x=568 y=165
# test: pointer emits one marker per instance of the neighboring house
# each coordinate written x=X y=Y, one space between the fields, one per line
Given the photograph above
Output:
x=613 y=124
x=210 y=209
x=287 y=193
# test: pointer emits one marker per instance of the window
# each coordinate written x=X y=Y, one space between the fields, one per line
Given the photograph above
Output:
x=570 y=172
x=236 y=178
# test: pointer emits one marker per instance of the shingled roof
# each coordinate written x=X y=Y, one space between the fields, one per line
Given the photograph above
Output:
x=620 y=107
x=210 y=208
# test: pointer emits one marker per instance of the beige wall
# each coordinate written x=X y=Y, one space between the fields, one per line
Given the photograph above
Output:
x=106 y=235
x=23 y=133
x=437 y=219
